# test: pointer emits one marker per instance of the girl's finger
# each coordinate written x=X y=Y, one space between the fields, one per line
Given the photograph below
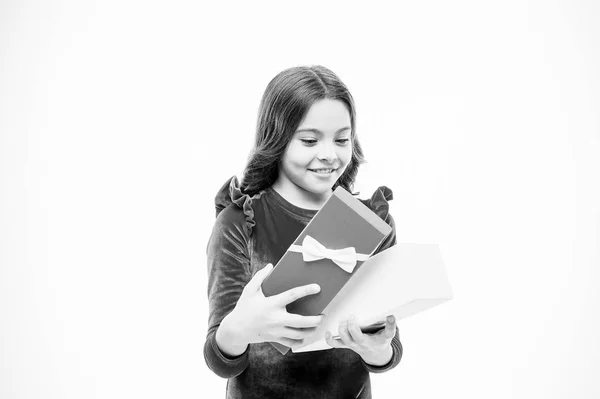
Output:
x=297 y=333
x=334 y=343
x=344 y=334
x=355 y=333
x=298 y=321
x=390 y=327
x=293 y=294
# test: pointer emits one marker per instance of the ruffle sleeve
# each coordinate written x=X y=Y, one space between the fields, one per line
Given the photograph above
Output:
x=378 y=202
x=231 y=192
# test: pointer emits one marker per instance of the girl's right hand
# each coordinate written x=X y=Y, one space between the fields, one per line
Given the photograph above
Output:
x=257 y=318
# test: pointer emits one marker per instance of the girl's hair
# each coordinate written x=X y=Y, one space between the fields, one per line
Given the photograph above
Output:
x=286 y=100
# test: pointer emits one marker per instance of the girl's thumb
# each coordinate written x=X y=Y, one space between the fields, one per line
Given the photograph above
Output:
x=261 y=275
x=266 y=270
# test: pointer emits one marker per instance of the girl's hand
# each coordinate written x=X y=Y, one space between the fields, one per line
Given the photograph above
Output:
x=375 y=349
x=257 y=318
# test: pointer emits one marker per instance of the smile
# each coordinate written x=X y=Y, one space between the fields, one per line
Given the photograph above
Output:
x=323 y=171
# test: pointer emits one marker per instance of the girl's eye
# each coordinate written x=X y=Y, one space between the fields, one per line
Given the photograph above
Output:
x=313 y=141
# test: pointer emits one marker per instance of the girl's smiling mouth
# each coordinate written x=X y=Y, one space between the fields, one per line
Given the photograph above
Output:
x=323 y=171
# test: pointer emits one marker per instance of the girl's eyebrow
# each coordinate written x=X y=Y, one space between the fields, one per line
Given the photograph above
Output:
x=317 y=131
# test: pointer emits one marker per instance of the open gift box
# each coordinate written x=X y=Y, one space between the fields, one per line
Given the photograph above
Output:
x=335 y=251
x=402 y=280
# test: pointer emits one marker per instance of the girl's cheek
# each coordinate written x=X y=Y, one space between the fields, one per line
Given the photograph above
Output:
x=346 y=156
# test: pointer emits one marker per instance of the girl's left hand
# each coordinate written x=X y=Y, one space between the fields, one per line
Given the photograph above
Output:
x=375 y=349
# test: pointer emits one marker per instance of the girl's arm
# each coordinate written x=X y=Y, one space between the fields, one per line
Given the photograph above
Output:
x=394 y=361
x=239 y=313
x=229 y=271
x=229 y=342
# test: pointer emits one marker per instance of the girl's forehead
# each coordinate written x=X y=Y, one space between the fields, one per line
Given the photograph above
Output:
x=326 y=115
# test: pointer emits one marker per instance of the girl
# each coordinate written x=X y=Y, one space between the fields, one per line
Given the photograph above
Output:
x=305 y=147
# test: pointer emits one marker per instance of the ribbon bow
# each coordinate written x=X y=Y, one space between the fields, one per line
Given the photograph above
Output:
x=313 y=250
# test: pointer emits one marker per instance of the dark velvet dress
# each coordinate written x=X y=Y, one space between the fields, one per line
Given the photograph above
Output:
x=250 y=232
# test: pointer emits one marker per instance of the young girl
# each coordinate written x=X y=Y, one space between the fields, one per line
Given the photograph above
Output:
x=305 y=147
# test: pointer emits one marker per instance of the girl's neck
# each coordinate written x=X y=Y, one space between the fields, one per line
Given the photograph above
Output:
x=300 y=197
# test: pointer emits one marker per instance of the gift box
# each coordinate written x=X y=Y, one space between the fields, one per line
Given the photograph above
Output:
x=403 y=280
x=329 y=251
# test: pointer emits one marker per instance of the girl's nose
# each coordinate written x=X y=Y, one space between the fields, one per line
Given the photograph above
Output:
x=327 y=153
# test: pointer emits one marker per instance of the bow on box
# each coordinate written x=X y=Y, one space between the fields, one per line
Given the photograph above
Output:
x=312 y=250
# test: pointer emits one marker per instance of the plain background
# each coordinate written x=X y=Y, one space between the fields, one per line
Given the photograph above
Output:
x=121 y=119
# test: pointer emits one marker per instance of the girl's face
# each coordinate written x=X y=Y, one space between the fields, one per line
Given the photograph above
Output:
x=317 y=155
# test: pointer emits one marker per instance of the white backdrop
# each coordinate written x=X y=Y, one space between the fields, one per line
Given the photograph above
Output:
x=121 y=119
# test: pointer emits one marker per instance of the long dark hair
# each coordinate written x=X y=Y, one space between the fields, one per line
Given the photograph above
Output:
x=286 y=100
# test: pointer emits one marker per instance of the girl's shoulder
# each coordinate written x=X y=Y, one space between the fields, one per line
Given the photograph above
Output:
x=234 y=207
x=379 y=202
